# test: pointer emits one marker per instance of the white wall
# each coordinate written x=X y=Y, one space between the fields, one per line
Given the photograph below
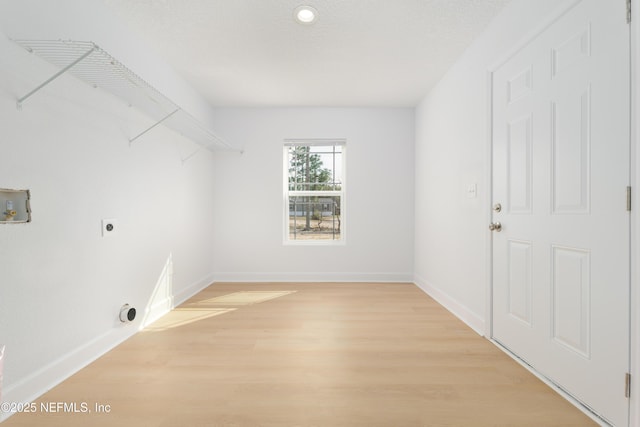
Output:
x=379 y=192
x=61 y=283
x=452 y=153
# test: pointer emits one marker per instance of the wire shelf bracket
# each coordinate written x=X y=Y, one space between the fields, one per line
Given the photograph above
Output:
x=52 y=78
x=152 y=126
x=93 y=65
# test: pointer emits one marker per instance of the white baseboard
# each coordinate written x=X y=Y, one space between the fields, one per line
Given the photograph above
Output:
x=314 y=277
x=462 y=312
x=157 y=310
x=44 y=379
x=189 y=291
x=33 y=386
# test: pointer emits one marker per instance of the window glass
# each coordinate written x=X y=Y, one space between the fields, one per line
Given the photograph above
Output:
x=314 y=191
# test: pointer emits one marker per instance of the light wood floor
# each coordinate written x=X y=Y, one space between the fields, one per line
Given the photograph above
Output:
x=370 y=355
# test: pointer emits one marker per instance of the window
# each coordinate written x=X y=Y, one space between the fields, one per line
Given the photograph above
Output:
x=314 y=191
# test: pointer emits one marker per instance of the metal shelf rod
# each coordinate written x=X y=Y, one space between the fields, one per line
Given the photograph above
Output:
x=154 y=125
x=55 y=76
x=184 y=160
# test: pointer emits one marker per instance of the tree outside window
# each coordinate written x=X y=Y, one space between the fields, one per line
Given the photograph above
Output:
x=314 y=193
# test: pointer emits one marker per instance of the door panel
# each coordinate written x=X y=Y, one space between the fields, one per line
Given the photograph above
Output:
x=520 y=280
x=519 y=163
x=571 y=297
x=560 y=171
x=570 y=125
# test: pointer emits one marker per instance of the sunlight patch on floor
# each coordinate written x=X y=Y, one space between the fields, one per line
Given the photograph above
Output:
x=184 y=316
x=204 y=309
x=244 y=298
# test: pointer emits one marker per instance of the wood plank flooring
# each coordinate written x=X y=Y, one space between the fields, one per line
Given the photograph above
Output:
x=289 y=354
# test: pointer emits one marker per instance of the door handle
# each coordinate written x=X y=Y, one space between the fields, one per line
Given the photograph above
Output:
x=495 y=226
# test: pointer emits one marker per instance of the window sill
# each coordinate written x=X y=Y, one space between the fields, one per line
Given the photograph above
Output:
x=340 y=242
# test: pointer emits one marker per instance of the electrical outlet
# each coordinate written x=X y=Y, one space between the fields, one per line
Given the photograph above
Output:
x=109 y=226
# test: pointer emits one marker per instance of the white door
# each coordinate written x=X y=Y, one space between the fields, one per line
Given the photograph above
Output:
x=560 y=172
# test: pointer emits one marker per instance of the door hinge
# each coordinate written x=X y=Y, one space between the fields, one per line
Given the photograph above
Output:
x=628 y=11
x=629 y=199
x=627 y=385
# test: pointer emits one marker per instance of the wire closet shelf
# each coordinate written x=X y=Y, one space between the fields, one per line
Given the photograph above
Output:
x=93 y=65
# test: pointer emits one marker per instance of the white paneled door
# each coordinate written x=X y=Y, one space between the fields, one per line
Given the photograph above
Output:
x=560 y=176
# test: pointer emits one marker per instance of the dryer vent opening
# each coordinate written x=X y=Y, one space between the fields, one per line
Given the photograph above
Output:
x=127 y=313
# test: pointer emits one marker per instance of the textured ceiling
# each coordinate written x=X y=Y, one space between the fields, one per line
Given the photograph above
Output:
x=385 y=53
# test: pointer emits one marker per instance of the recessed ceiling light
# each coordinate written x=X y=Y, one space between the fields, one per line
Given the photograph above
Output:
x=305 y=14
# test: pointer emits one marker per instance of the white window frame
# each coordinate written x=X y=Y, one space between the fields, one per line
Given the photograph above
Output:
x=288 y=193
